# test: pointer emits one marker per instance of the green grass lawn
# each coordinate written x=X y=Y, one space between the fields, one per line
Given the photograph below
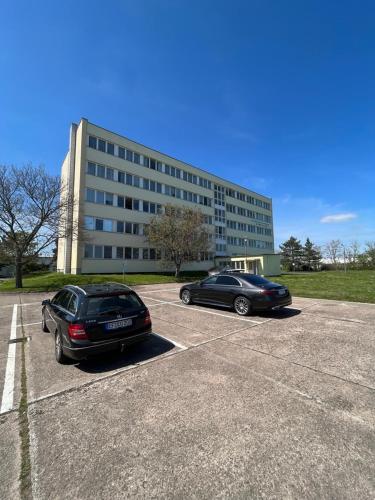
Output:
x=356 y=286
x=43 y=282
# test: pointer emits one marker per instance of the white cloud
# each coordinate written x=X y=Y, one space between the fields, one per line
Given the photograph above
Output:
x=327 y=219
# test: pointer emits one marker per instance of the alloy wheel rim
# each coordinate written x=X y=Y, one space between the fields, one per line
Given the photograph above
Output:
x=185 y=296
x=242 y=306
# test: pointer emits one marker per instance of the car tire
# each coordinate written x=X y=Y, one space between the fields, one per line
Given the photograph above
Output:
x=186 y=297
x=242 y=305
x=59 y=355
x=44 y=325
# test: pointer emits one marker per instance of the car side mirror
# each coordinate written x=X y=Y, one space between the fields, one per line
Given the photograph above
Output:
x=46 y=302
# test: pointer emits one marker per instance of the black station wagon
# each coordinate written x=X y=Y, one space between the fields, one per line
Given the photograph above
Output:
x=93 y=319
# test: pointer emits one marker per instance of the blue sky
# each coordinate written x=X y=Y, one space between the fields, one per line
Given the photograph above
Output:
x=276 y=96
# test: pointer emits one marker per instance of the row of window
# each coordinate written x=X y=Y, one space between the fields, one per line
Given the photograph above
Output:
x=132 y=156
x=245 y=212
x=117 y=226
x=243 y=242
x=102 y=197
x=110 y=252
x=249 y=228
x=147 y=184
x=145 y=161
x=248 y=198
x=129 y=253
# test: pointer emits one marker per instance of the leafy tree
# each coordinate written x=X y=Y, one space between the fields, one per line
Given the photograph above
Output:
x=179 y=234
x=291 y=254
x=311 y=256
x=366 y=260
x=34 y=209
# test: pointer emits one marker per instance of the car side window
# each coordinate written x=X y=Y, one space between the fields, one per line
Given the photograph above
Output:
x=57 y=298
x=73 y=304
x=63 y=299
x=227 y=280
x=210 y=281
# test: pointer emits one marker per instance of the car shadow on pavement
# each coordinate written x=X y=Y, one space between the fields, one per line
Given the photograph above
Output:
x=286 y=312
x=134 y=354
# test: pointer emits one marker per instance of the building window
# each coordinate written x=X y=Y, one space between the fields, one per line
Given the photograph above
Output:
x=152 y=164
x=152 y=208
x=120 y=201
x=128 y=253
x=88 y=222
x=119 y=253
x=107 y=252
x=146 y=184
x=152 y=186
x=167 y=169
x=145 y=206
x=108 y=198
x=101 y=171
x=121 y=152
x=128 y=227
x=152 y=254
x=110 y=148
x=135 y=204
x=128 y=203
x=89 y=251
x=159 y=166
x=136 y=158
x=145 y=253
x=146 y=161
x=98 y=252
x=120 y=226
x=101 y=145
x=129 y=179
x=110 y=174
x=99 y=224
x=121 y=177
x=135 y=253
x=135 y=228
x=158 y=187
x=92 y=142
x=99 y=197
x=129 y=155
x=108 y=225
x=90 y=195
x=91 y=168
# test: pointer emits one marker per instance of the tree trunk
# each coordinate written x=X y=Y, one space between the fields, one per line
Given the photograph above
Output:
x=18 y=264
x=177 y=272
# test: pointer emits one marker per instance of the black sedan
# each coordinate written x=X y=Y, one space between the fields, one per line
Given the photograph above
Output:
x=243 y=292
x=93 y=319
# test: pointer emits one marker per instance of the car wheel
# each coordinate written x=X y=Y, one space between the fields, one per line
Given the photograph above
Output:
x=242 y=306
x=186 y=297
x=60 y=356
x=44 y=325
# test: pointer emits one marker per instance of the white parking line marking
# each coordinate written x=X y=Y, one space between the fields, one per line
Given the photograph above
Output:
x=8 y=391
x=162 y=302
x=239 y=318
x=27 y=304
x=180 y=346
x=158 y=290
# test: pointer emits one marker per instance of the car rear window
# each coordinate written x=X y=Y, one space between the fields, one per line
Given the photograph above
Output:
x=255 y=280
x=105 y=304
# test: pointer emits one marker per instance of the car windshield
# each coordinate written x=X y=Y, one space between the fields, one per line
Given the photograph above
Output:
x=113 y=303
x=254 y=279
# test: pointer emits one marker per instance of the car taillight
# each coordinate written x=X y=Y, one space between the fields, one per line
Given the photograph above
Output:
x=267 y=292
x=147 y=319
x=77 y=331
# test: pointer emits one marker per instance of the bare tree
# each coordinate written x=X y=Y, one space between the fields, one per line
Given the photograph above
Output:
x=179 y=234
x=333 y=251
x=33 y=212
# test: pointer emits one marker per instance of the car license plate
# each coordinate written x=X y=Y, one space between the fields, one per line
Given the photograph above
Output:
x=281 y=292
x=114 y=325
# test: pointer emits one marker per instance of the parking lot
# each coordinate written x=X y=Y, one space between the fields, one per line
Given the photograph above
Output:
x=212 y=405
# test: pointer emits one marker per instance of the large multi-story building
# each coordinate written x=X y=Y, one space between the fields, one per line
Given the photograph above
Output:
x=119 y=185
